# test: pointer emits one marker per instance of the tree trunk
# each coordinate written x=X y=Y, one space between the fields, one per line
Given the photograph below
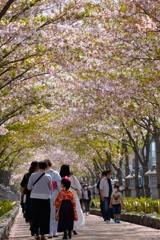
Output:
x=108 y=165
x=119 y=174
x=127 y=171
x=145 y=165
x=146 y=189
x=136 y=176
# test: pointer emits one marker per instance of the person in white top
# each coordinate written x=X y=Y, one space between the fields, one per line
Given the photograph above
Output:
x=105 y=194
x=56 y=187
x=98 y=187
x=41 y=185
x=76 y=188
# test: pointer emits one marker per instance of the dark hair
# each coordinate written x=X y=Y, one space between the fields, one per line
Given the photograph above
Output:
x=33 y=166
x=43 y=164
x=116 y=186
x=104 y=173
x=66 y=183
x=65 y=170
x=108 y=171
x=49 y=162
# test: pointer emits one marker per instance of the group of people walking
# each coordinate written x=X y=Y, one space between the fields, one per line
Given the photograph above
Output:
x=111 y=199
x=50 y=201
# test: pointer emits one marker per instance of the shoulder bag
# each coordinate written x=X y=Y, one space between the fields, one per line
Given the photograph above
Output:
x=38 y=178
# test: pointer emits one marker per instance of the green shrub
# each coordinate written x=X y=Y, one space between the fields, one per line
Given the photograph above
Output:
x=140 y=205
x=6 y=206
x=146 y=205
x=96 y=200
x=95 y=203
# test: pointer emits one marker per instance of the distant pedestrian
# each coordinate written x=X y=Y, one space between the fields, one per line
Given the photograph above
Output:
x=86 y=198
x=75 y=188
x=56 y=187
x=66 y=213
x=116 y=203
x=105 y=192
x=81 y=197
x=41 y=185
x=98 y=187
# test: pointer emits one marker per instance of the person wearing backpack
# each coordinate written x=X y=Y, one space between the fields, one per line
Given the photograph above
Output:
x=98 y=187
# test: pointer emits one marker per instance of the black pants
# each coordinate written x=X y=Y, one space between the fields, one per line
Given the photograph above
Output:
x=41 y=216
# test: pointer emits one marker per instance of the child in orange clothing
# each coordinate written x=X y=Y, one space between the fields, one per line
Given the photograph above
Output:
x=65 y=204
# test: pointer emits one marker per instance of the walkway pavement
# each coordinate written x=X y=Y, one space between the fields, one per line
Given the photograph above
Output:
x=95 y=229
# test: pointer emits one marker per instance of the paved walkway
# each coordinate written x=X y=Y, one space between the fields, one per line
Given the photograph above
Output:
x=95 y=229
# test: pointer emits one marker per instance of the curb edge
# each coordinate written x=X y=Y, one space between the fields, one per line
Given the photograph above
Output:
x=6 y=225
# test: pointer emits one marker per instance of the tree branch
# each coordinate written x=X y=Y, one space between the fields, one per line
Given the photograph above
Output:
x=5 y=8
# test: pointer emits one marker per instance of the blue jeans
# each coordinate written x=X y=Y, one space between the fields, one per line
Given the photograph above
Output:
x=86 y=203
x=101 y=207
x=106 y=209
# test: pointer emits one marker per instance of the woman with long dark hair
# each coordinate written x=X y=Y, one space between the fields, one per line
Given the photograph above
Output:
x=26 y=194
x=75 y=187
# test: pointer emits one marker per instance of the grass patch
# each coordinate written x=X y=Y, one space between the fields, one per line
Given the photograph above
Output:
x=4 y=216
x=6 y=208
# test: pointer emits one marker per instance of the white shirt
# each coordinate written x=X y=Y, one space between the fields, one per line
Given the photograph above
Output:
x=104 y=186
x=85 y=193
x=42 y=189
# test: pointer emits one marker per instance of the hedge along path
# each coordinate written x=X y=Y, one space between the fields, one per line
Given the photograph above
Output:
x=94 y=229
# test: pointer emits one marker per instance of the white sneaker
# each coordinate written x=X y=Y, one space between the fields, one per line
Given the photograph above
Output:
x=55 y=234
x=107 y=221
x=50 y=235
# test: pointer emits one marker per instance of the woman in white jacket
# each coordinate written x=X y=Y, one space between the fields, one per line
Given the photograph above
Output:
x=76 y=188
x=56 y=187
